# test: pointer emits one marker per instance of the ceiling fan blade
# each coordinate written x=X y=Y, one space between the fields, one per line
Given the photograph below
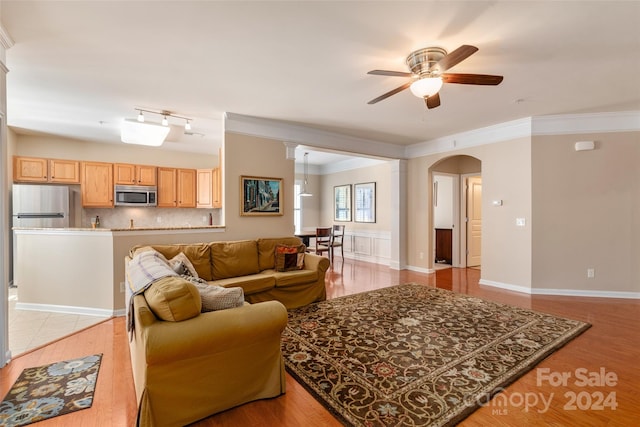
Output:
x=389 y=73
x=472 y=79
x=453 y=58
x=390 y=93
x=432 y=101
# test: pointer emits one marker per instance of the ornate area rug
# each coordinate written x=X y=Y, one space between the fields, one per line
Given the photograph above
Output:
x=410 y=355
x=51 y=390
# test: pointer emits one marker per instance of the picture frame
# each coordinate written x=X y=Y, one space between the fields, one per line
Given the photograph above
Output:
x=261 y=196
x=342 y=203
x=364 y=202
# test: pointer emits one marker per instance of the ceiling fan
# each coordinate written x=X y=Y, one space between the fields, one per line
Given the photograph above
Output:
x=428 y=66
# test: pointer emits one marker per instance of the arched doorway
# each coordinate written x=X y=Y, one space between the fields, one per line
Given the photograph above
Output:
x=456 y=217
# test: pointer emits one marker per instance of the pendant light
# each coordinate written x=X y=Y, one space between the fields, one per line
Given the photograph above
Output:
x=305 y=192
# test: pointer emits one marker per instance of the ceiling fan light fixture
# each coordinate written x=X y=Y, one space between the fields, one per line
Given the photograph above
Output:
x=426 y=87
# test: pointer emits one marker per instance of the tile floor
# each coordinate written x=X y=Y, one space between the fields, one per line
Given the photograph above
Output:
x=30 y=329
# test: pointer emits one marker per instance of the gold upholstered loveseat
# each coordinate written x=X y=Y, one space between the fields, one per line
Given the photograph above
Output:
x=192 y=365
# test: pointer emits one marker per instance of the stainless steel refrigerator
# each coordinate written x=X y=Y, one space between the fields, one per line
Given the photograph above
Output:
x=40 y=206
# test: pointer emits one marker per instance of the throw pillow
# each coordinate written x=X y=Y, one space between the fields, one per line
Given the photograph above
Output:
x=173 y=299
x=182 y=265
x=290 y=257
x=219 y=298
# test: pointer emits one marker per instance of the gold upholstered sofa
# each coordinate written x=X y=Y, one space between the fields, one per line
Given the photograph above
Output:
x=189 y=364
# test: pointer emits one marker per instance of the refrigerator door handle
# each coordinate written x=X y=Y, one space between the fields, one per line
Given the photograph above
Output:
x=40 y=215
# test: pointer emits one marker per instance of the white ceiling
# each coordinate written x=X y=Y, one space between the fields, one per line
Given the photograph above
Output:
x=78 y=68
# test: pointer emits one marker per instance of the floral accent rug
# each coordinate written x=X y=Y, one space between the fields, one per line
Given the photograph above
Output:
x=410 y=355
x=51 y=390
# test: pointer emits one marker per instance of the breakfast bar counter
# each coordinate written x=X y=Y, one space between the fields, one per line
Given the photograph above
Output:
x=81 y=270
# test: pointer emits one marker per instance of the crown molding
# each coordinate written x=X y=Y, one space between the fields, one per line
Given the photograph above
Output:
x=5 y=39
x=273 y=129
x=520 y=128
x=622 y=121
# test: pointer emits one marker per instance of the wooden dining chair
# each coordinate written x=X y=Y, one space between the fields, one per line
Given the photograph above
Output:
x=324 y=237
x=337 y=242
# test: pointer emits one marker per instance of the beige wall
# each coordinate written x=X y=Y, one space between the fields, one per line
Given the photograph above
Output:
x=261 y=157
x=506 y=175
x=65 y=148
x=586 y=211
x=381 y=175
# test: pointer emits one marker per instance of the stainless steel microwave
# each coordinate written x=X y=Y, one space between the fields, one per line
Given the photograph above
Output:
x=135 y=195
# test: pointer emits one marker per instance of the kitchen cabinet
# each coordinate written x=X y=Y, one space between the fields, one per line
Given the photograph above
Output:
x=176 y=187
x=209 y=188
x=96 y=184
x=129 y=174
x=186 y=188
x=35 y=169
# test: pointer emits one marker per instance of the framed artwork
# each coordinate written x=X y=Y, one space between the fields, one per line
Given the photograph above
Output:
x=365 y=202
x=260 y=196
x=342 y=203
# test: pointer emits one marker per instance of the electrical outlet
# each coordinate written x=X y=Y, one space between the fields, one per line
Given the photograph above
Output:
x=159 y=219
x=121 y=287
x=421 y=255
x=591 y=273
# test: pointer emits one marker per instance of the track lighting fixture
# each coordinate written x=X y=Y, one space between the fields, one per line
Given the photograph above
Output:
x=139 y=132
x=165 y=117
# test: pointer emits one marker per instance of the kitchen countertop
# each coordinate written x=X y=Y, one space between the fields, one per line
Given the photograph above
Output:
x=199 y=227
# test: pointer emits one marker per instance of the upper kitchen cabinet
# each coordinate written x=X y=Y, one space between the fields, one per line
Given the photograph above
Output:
x=35 y=169
x=186 y=188
x=209 y=188
x=176 y=187
x=97 y=184
x=128 y=174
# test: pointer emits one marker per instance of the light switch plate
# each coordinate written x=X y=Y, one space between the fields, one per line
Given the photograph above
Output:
x=521 y=222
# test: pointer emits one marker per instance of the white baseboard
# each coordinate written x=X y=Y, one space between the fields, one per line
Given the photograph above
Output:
x=561 y=292
x=507 y=286
x=585 y=293
x=85 y=311
x=421 y=269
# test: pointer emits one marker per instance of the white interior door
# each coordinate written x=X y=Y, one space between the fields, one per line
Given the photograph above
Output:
x=474 y=221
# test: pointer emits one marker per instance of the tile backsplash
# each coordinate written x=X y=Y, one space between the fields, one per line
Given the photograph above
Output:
x=120 y=217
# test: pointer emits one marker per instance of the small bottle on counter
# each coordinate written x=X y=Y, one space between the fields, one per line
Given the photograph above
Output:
x=130 y=223
x=97 y=221
x=210 y=219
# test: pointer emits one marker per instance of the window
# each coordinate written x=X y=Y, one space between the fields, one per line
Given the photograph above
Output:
x=342 y=203
x=365 y=202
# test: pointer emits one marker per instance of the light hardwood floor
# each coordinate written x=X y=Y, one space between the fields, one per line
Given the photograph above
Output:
x=612 y=344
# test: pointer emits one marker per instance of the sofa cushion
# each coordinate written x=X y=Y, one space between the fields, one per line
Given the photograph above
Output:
x=289 y=257
x=251 y=284
x=233 y=259
x=198 y=253
x=173 y=299
x=266 y=250
x=219 y=298
x=289 y=278
x=182 y=265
